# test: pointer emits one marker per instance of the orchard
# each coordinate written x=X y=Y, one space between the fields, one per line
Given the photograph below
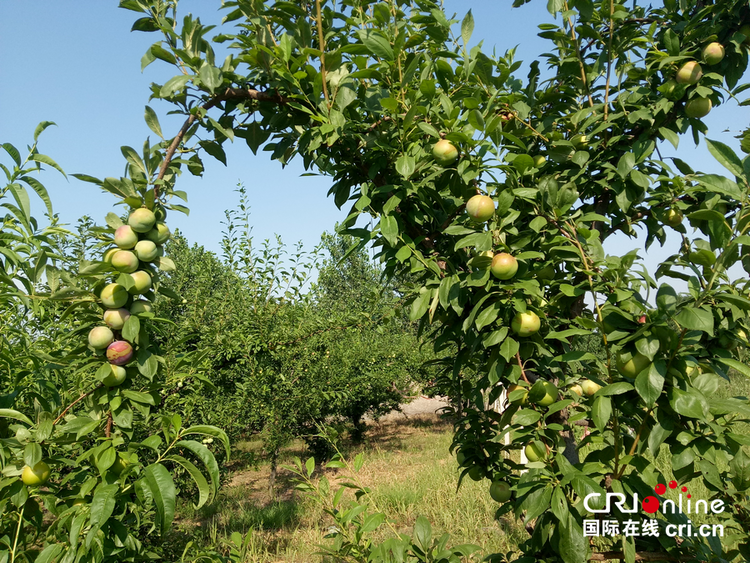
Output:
x=496 y=195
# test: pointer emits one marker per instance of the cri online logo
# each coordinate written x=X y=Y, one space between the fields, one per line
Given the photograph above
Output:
x=651 y=504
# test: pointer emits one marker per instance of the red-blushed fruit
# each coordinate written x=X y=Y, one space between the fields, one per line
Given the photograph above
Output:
x=36 y=475
x=535 y=451
x=519 y=398
x=141 y=282
x=500 y=491
x=116 y=376
x=142 y=220
x=713 y=53
x=550 y=395
x=674 y=217
x=632 y=367
x=481 y=208
x=159 y=234
x=642 y=319
x=119 y=353
x=504 y=266
x=100 y=337
x=589 y=387
x=445 y=152
x=690 y=73
x=116 y=318
x=125 y=261
x=698 y=107
x=526 y=324
x=114 y=296
x=140 y=306
x=146 y=251
x=125 y=237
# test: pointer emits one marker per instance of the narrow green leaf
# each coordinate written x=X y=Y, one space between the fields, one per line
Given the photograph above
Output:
x=152 y=120
x=159 y=482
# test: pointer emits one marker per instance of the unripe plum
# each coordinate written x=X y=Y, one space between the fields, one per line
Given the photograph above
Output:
x=142 y=220
x=504 y=266
x=140 y=306
x=109 y=254
x=160 y=213
x=159 y=234
x=689 y=73
x=119 y=353
x=125 y=237
x=115 y=377
x=125 y=261
x=698 y=107
x=114 y=296
x=525 y=324
x=146 y=251
x=36 y=475
x=116 y=318
x=481 y=208
x=713 y=53
x=674 y=217
x=142 y=282
x=100 y=337
x=632 y=367
x=444 y=152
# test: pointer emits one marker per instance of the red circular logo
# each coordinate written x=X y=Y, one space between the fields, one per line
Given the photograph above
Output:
x=673 y=484
x=650 y=504
x=660 y=489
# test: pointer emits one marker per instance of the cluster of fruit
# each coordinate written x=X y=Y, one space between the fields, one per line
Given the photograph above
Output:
x=690 y=74
x=139 y=244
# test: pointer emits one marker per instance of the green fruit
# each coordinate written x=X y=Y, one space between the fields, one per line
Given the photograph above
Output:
x=577 y=389
x=119 y=465
x=109 y=254
x=116 y=318
x=550 y=395
x=160 y=213
x=37 y=475
x=146 y=251
x=114 y=296
x=125 y=261
x=476 y=473
x=141 y=282
x=727 y=342
x=100 y=337
x=525 y=324
x=518 y=398
x=539 y=161
x=589 y=387
x=159 y=234
x=500 y=491
x=669 y=89
x=698 y=107
x=125 y=237
x=140 y=306
x=535 y=451
x=745 y=30
x=444 y=152
x=673 y=217
x=461 y=458
x=713 y=53
x=689 y=73
x=504 y=266
x=630 y=368
x=115 y=377
x=481 y=208
x=580 y=141
x=142 y=220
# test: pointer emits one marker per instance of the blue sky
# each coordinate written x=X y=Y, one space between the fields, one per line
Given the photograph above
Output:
x=77 y=63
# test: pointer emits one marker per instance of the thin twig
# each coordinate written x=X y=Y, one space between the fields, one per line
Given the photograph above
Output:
x=322 y=43
x=71 y=405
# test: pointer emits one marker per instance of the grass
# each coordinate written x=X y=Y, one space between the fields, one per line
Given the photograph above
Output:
x=410 y=472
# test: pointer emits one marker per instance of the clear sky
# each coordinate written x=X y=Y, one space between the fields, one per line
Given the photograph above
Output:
x=78 y=64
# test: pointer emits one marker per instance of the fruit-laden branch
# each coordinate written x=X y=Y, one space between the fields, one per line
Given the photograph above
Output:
x=228 y=94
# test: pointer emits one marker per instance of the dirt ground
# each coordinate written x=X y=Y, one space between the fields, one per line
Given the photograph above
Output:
x=419 y=406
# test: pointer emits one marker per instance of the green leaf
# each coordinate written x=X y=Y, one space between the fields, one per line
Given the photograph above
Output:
x=389 y=228
x=159 y=482
x=210 y=76
x=44 y=159
x=467 y=28
x=695 y=318
x=405 y=166
x=131 y=329
x=15 y=415
x=49 y=554
x=41 y=127
x=102 y=506
x=152 y=120
x=740 y=467
x=165 y=264
x=423 y=532
x=649 y=383
x=205 y=455
x=376 y=43
x=625 y=164
x=741 y=367
x=420 y=305
x=726 y=157
x=213 y=431
x=573 y=544
x=205 y=494
x=174 y=85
